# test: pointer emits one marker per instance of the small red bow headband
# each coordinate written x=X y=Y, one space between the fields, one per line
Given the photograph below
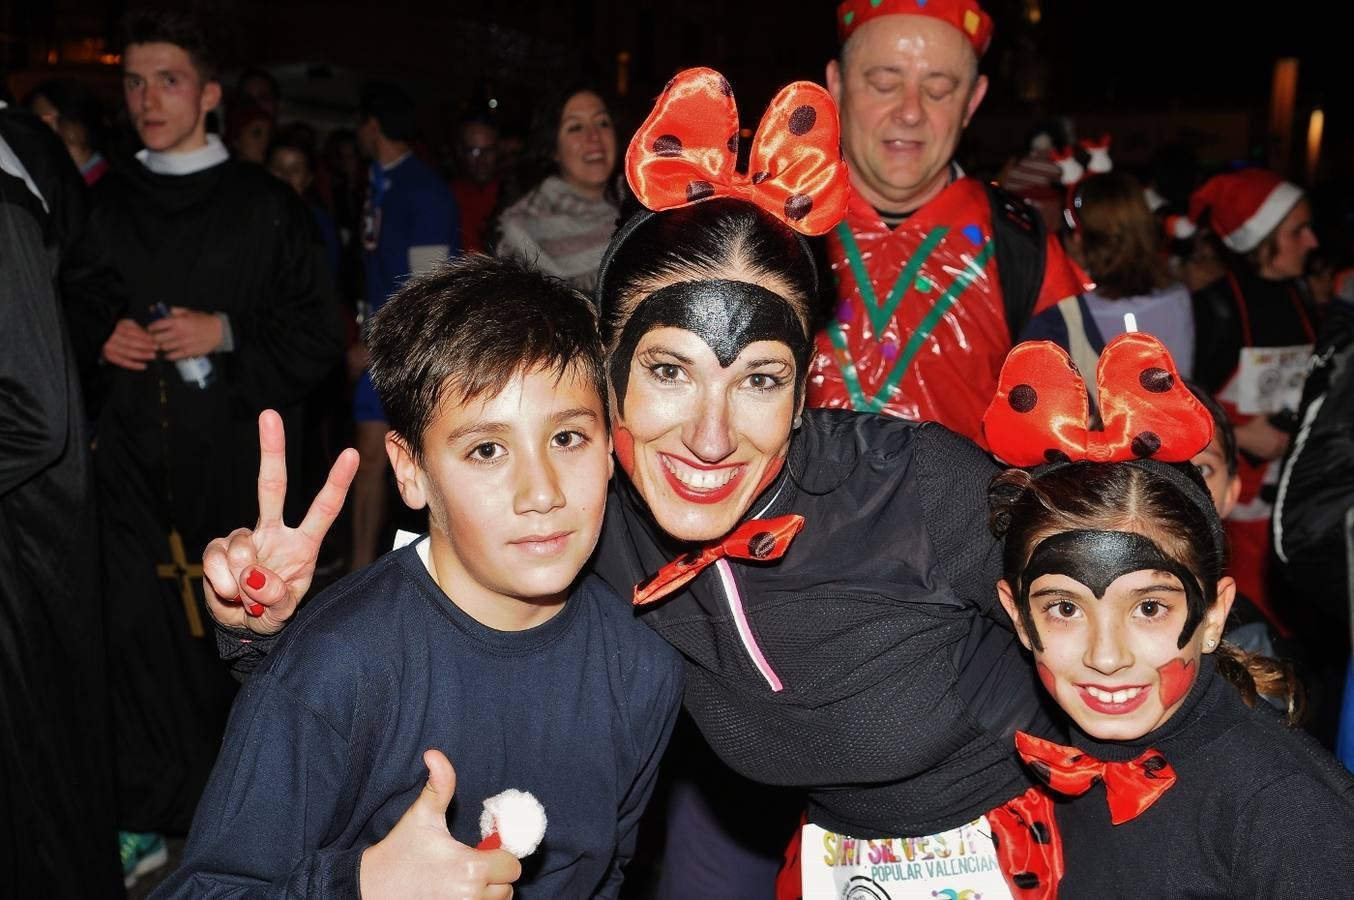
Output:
x=687 y=151
x=1041 y=412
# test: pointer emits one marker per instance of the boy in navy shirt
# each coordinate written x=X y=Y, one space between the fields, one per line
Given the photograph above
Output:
x=478 y=642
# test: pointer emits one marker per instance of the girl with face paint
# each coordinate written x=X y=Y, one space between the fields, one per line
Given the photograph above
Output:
x=1174 y=774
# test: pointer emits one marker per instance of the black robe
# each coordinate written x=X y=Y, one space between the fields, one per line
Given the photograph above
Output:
x=231 y=239
x=57 y=831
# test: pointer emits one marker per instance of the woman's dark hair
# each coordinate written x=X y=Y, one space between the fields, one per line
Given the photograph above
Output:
x=1120 y=238
x=293 y=138
x=709 y=240
x=538 y=157
x=75 y=102
x=543 y=131
x=1027 y=508
x=462 y=331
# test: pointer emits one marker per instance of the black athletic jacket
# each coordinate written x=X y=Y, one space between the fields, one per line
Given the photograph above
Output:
x=902 y=683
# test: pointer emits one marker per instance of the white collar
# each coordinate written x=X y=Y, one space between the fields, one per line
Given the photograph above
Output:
x=186 y=163
x=386 y=167
x=10 y=163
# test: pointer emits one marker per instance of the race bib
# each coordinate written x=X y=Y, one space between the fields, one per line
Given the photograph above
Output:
x=959 y=864
x=1269 y=379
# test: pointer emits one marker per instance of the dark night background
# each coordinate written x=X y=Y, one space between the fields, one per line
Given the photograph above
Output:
x=1149 y=72
x=1196 y=76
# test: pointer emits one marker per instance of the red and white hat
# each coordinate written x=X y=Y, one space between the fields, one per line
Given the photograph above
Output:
x=1243 y=207
x=966 y=15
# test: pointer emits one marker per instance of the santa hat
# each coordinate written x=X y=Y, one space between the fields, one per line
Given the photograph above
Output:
x=966 y=15
x=1243 y=207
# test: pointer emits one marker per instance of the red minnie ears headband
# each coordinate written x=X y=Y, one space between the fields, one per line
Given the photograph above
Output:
x=1041 y=413
x=687 y=149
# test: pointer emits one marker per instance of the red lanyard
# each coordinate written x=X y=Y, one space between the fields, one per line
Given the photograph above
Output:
x=1246 y=316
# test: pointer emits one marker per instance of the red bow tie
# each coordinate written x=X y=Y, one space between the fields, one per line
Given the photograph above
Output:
x=1130 y=787
x=755 y=539
x=1029 y=845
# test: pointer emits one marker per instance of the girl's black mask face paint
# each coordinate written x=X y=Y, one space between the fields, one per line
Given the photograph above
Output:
x=1096 y=559
x=726 y=315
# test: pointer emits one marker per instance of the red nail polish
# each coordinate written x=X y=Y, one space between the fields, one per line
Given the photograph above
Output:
x=255 y=609
x=255 y=580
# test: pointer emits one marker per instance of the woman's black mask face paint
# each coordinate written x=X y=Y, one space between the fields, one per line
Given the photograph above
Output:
x=726 y=315
x=1096 y=559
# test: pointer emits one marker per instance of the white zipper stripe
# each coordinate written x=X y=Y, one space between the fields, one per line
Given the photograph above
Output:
x=744 y=631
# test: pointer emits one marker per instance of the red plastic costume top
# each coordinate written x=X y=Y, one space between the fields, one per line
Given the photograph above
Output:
x=919 y=330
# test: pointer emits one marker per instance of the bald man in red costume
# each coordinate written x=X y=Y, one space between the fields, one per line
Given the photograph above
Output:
x=920 y=326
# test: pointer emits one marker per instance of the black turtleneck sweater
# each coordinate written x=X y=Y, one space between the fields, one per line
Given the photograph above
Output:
x=1258 y=810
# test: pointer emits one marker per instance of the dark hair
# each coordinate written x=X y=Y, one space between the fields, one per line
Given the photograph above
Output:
x=704 y=240
x=158 y=27
x=1252 y=260
x=1027 y=507
x=543 y=130
x=75 y=102
x=1120 y=238
x=256 y=73
x=392 y=107
x=1222 y=424
x=290 y=138
x=462 y=331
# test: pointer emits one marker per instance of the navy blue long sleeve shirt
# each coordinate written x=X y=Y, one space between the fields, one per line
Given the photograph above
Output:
x=323 y=752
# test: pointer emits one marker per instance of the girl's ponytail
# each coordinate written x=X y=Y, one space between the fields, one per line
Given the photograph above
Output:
x=1255 y=675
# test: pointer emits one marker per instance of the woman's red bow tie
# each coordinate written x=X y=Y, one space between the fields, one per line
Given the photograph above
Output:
x=758 y=539
x=1130 y=787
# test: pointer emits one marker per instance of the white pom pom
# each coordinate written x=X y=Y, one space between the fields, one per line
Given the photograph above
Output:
x=1071 y=170
x=518 y=818
x=1099 y=161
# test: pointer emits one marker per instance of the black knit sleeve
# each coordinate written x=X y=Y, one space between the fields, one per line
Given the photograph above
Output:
x=1295 y=838
x=952 y=478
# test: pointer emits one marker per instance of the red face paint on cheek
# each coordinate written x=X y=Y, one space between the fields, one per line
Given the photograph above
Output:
x=623 y=442
x=1046 y=677
x=1177 y=676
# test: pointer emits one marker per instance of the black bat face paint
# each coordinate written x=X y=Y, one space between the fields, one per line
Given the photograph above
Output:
x=1096 y=559
x=726 y=315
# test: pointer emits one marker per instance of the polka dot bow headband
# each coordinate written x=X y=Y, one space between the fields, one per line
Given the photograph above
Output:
x=687 y=151
x=1041 y=413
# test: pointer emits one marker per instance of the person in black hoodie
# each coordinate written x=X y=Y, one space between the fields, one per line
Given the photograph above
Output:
x=1314 y=523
